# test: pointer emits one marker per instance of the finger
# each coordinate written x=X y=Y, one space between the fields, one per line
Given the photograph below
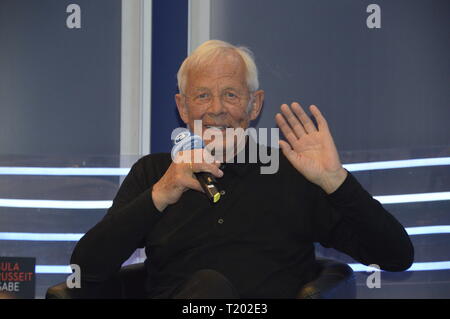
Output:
x=321 y=121
x=287 y=150
x=304 y=118
x=293 y=121
x=194 y=184
x=212 y=168
x=207 y=154
x=206 y=164
x=196 y=156
x=286 y=129
x=183 y=157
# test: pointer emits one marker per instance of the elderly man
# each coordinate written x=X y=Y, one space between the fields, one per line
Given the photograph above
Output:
x=257 y=241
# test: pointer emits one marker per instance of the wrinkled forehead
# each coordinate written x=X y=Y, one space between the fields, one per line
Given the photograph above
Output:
x=222 y=71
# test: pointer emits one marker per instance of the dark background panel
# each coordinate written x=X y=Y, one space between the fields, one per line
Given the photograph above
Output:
x=427 y=248
x=59 y=187
x=421 y=213
x=379 y=88
x=46 y=252
x=405 y=180
x=40 y=220
x=59 y=87
x=59 y=107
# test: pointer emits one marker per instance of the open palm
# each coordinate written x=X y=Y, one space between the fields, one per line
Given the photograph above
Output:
x=311 y=149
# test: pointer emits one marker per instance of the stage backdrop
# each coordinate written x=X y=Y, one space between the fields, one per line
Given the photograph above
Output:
x=379 y=71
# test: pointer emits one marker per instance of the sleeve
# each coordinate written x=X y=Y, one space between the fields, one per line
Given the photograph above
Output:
x=353 y=222
x=103 y=249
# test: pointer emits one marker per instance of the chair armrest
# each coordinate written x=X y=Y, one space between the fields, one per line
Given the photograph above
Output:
x=60 y=291
x=109 y=289
x=335 y=280
x=129 y=282
x=132 y=281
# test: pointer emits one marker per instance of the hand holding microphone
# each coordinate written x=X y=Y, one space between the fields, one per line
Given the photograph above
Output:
x=185 y=173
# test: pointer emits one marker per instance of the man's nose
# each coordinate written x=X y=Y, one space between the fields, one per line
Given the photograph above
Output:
x=216 y=106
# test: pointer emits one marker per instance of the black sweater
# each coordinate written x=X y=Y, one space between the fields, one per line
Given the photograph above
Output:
x=260 y=235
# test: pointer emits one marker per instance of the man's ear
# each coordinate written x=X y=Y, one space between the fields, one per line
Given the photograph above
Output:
x=182 y=107
x=258 y=101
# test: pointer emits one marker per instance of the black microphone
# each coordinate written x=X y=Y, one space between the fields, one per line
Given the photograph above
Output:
x=185 y=141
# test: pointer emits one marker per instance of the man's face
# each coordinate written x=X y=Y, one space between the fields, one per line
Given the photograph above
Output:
x=217 y=94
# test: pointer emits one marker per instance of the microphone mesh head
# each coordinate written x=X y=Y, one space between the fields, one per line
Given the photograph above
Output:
x=185 y=141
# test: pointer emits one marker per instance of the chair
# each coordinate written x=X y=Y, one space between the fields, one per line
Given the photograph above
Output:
x=334 y=280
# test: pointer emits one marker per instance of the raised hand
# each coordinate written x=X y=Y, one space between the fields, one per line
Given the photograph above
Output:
x=310 y=149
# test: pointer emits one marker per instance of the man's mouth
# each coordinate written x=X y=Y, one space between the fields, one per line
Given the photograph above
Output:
x=217 y=127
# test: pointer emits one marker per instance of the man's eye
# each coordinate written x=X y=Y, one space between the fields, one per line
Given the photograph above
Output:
x=203 y=96
x=230 y=95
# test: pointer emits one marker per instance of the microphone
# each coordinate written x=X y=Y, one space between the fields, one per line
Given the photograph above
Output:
x=185 y=141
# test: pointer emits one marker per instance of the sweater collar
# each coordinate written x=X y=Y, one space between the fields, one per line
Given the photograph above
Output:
x=247 y=159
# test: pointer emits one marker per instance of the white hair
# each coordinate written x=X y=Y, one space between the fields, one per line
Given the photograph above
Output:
x=212 y=49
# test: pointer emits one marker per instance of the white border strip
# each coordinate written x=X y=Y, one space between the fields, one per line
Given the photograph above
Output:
x=199 y=26
x=428 y=230
x=412 y=231
x=109 y=171
x=53 y=269
x=104 y=204
x=62 y=204
x=423 y=266
x=413 y=198
x=136 y=77
x=65 y=171
x=146 y=76
x=40 y=236
x=419 y=162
